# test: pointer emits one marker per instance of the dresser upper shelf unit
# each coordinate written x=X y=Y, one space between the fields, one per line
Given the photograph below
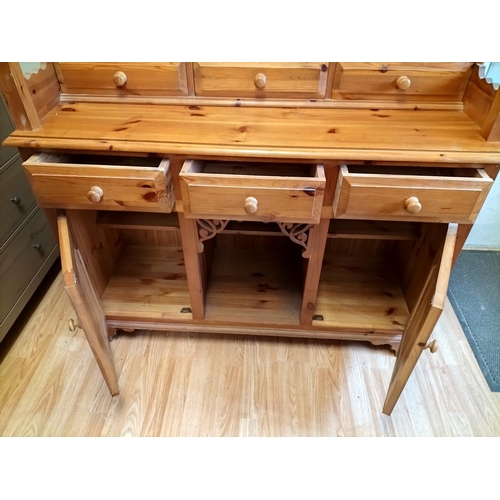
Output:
x=316 y=108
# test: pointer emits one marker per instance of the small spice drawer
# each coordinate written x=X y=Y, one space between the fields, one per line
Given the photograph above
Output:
x=410 y=193
x=253 y=191
x=291 y=80
x=402 y=81
x=161 y=79
x=101 y=182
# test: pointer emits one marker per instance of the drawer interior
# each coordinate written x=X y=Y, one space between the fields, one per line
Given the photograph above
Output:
x=451 y=173
x=94 y=160
x=254 y=169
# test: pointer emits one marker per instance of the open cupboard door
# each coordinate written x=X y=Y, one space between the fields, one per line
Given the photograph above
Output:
x=85 y=303
x=425 y=277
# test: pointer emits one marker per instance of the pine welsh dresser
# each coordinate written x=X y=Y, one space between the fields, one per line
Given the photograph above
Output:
x=325 y=200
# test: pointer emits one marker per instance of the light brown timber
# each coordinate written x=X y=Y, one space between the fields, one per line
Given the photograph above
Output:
x=86 y=304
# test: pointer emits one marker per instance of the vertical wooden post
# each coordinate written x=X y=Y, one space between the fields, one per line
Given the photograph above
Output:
x=317 y=243
x=194 y=265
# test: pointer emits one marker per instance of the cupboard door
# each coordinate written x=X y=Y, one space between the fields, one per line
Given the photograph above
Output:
x=425 y=293
x=86 y=304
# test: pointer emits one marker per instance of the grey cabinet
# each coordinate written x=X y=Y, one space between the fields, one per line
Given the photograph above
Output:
x=28 y=247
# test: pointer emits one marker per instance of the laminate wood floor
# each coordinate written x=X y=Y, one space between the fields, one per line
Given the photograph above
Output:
x=175 y=384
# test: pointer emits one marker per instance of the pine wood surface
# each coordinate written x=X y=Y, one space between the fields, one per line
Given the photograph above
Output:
x=381 y=196
x=230 y=385
x=362 y=293
x=260 y=79
x=150 y=283
x=141 y=78
x=318 y=134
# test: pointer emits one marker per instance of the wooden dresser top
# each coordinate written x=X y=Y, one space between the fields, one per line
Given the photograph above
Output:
x=314 y=133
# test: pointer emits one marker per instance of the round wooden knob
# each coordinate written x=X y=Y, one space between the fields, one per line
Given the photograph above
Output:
x=251 y=205
x=72 y=325
x=432 y=346
x=403 y=83
x=413 y=205
x=260 y=80
x=119 y=78
x=95 y=194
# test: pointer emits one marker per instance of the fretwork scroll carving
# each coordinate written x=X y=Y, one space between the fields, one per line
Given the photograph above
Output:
x=298 y=233
x=208 y=229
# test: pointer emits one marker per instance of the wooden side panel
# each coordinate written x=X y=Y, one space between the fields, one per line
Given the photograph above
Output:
x=435 y=272
x=482 y=104
x=491 y=127
x=414 y=260
x=29 y=99
x=21 y=107
x=99 y=247
x=86 y=304
x=44 y=89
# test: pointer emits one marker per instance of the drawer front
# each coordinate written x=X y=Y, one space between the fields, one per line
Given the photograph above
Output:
x=167 y=79
x=301 y=80
x=16 y=198
x=22 y=258
x=251 y=197
x=380 y=196
x=58 y=183
x=404 y=81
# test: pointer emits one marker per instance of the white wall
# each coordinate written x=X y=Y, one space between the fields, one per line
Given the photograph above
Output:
x=486 y=231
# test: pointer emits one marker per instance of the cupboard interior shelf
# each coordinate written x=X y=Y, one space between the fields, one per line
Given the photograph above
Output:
x=359 y=288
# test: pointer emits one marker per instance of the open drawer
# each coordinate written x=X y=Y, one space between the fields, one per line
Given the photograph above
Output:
x=101 y=182
x=253 y=191
x=410 y=193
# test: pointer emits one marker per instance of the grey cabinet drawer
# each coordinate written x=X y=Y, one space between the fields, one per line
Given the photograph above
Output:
x=16 y=198
x=6 y=129
x=20 y=260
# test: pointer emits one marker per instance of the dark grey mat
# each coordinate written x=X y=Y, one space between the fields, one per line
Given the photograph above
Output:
x=474 y=292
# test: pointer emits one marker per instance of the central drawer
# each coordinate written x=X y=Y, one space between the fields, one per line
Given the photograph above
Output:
x=101 y=182
x=292 y=80
x=252 y=191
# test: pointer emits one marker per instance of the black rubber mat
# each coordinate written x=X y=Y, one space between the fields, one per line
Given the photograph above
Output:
x=474 y=292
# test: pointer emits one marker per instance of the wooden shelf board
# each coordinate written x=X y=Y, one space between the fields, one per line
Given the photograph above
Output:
x=148 y=284
x=139 y=220
x=249 y=287
x=362 y=293
x=376 y=230
x=299 y=134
